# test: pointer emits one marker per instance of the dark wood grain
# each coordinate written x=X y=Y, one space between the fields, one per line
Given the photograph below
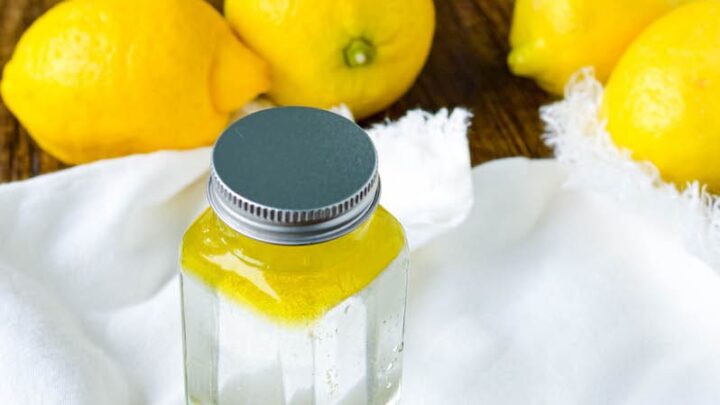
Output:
x=466 y=68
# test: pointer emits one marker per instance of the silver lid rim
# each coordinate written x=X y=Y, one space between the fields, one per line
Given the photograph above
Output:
x=292 y=227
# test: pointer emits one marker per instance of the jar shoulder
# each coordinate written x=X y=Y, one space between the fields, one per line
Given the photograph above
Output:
x=382 y=237
x=290 y=282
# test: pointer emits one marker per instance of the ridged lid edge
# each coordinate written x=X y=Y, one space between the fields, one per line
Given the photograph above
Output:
x=288 y=226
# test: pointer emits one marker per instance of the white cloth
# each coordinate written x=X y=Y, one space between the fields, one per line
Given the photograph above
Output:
x=543 y=295
x=574 y=128
x=548 y=295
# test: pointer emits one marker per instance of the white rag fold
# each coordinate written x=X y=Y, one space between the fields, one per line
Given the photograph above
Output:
x=544 y=295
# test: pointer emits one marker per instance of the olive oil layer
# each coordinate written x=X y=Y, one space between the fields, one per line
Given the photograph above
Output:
x=289 y=283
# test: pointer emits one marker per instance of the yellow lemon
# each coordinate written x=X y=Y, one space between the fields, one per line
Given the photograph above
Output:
x=662 y=102
x=92 y=79
x=363 y=53
x=552 y=39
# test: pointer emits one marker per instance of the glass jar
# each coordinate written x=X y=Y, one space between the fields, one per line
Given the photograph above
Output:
x=294 y=281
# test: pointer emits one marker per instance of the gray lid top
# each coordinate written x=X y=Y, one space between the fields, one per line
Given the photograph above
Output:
x=294 y=175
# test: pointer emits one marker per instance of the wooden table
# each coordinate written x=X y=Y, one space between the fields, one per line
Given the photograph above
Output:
x=466 y=68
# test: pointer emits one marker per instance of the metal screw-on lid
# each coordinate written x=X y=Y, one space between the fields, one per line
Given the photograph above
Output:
x=294 y=176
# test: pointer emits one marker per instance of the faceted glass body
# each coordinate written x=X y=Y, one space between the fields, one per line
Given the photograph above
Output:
x=272 y=324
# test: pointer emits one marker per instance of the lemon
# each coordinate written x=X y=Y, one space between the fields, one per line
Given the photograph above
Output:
x=662 y=102
x=92 y=79
x=552 y=39
x=322 y=53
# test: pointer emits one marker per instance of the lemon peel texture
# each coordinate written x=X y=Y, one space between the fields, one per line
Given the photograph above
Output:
x=93 y=79
x=324 y=53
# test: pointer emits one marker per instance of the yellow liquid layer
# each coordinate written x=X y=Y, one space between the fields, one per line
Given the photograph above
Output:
x=290 y=283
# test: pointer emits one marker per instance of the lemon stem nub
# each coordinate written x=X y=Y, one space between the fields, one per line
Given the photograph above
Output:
x=359 y=52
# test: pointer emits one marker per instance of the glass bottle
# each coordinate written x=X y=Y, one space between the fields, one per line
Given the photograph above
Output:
x=294 y=280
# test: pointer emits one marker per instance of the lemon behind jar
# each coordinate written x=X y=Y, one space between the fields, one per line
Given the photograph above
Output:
x=662 y=102
x=92 y=79
x=322 y=53
x=552 y=39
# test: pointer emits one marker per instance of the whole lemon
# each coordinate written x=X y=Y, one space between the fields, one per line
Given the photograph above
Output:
x=552 y=39
x=322 y=53
x=662 y=102
x=92 y=79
